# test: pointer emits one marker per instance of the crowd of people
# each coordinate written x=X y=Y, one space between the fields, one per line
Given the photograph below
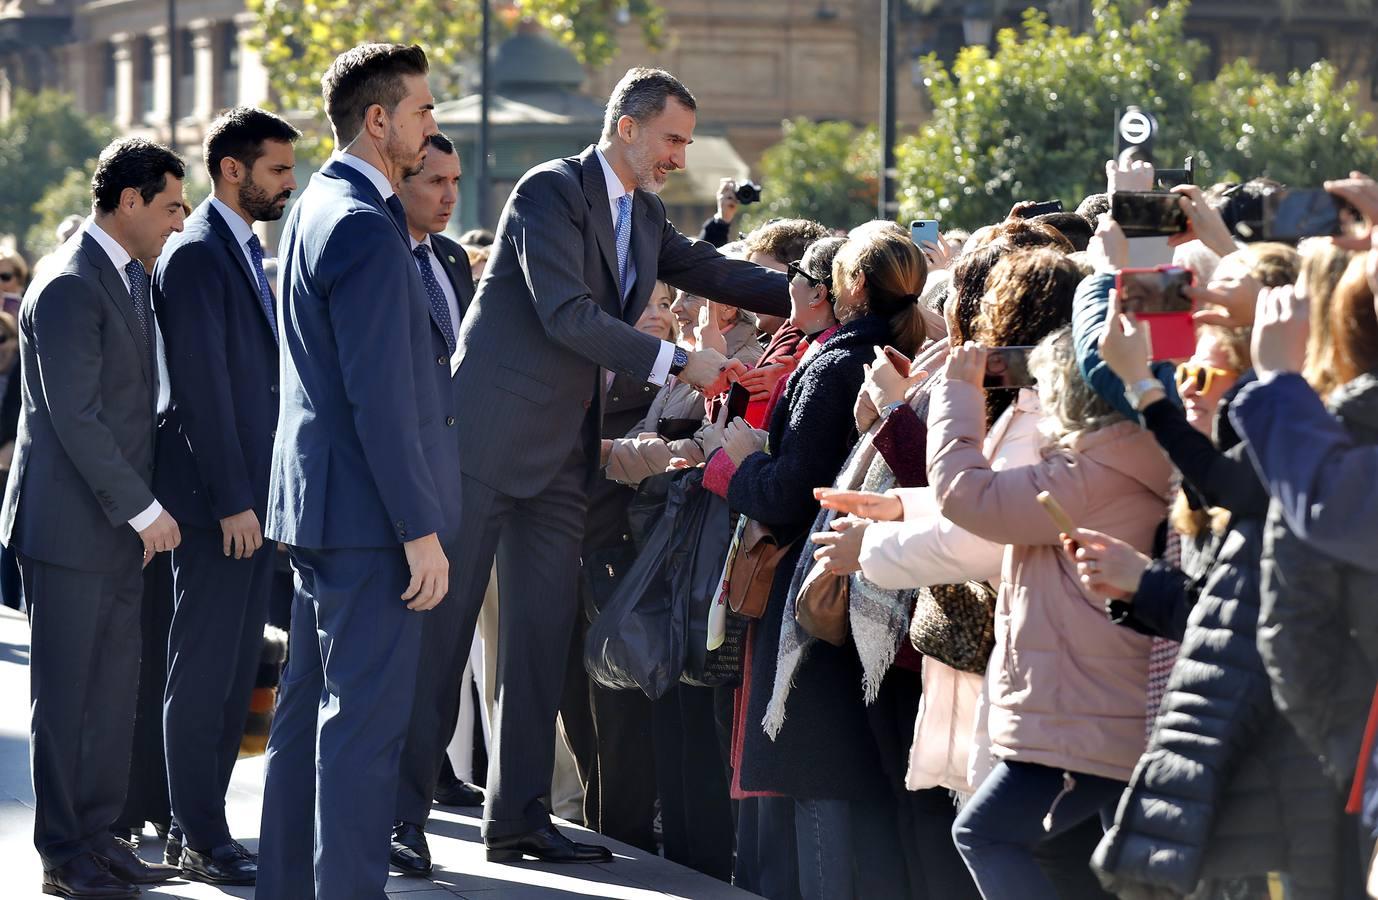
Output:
x=824 y=597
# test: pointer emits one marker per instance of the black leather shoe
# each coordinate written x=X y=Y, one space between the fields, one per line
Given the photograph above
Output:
x=546 y=845
x=172 y=851
x=228 y=864
x=410 y=854
x=87 y=878
x=125 y=864
x=459 y=794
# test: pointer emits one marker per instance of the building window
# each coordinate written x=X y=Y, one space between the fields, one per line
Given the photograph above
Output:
x=186 y=80
x=1290 y=53
x=229 y=66
x=109 y=78
x=1209 y=67
x=147 y=96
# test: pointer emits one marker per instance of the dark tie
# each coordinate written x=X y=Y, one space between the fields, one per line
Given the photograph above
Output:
x=138 y=296
x=265 y=294
x=439 y=308
x=399 y=214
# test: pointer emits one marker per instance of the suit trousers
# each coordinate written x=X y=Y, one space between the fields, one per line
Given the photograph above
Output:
x=147 y=797
x=330 y=779
x=536 y=541
x=213 y=651
x=83 y=684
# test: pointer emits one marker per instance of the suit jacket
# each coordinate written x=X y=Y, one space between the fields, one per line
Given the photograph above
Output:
x=83 y=458
x=366 y=453
x=455 y=262
x=215 y=440
x=548 y=314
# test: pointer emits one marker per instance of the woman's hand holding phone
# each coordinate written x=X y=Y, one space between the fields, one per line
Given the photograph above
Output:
x=967 y=363
x=1125 y=345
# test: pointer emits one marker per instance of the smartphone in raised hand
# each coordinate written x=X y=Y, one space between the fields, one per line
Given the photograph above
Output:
x=1158 y=297
x=1148 y=213
x=897 y=359
x=1007 y=368
x=738 y=398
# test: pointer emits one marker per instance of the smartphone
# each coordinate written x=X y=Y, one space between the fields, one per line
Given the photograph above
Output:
x=1042 y=208
x=921 y=230
x=898 y=360
x=9 y=302
x=1167 y=179
x=1007 y=368
x=1055 y=512
x=1148 y=213
x=1290 y=215
x=738 y=398
x=1156 y=296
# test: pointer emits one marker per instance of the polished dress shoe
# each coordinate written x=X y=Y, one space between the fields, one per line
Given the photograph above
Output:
x=227 y=864
x=125 y=864
x=458 y=794
x=546 y=845
x=87 y=878
x=410 y=854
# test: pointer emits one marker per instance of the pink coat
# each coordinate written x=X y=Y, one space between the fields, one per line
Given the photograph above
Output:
x=1067 y=686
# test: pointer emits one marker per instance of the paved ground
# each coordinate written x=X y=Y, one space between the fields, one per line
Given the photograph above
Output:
x=461 y=870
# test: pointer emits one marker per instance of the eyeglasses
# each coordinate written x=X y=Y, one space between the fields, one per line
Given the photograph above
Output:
x=1199 y=376
x=796 y=271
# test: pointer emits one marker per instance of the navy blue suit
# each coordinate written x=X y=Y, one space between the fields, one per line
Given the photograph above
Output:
x=366 y=459
x=215 y=442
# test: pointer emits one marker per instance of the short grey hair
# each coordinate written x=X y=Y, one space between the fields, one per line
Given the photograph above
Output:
x=642 y=94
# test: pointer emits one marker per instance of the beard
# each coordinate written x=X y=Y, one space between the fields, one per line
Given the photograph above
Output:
x=649 y=176
x=255 y=201
x=408 y=161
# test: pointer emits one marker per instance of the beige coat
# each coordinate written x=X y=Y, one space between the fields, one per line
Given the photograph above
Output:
x=1067 y=686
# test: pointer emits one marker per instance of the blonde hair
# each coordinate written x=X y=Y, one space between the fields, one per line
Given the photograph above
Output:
x=1322 y=265
x=895 y=272
x=21 y=268
x=1070 y=406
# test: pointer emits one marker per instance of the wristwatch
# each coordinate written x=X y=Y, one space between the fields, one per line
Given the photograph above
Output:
x=679 y=362
x=1136 y=392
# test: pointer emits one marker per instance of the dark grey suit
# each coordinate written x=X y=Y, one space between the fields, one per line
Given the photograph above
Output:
x=547 y=320
x=83 y=463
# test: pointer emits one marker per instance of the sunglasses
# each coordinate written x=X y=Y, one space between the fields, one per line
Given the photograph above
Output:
x=795 y=271
x=8 y=276
x=1199 y=376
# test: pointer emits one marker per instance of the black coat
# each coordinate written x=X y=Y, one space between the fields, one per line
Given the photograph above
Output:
x=825 y=749
x=1318 y=626
x=1225 y=787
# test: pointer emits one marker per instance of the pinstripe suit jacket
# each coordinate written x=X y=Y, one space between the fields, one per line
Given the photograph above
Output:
x=548 y=316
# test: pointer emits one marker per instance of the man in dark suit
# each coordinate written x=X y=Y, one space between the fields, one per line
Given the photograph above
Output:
x=580 y=245
x=80 y=514
x=363 y=486
x=429 y=198
x=215 y=443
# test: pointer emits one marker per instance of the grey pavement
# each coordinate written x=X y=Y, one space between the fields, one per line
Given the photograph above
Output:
x=461 y=869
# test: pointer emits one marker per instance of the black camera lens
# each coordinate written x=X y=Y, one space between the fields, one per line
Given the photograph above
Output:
x=748 y=192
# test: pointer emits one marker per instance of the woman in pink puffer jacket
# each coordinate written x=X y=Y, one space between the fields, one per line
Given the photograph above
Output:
x=1067 y=686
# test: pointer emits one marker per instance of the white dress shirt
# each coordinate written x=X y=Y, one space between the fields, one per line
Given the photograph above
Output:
x=446 y=287
x=241 y=230
x=368 y=169
x=660 y=372
x=121 y=258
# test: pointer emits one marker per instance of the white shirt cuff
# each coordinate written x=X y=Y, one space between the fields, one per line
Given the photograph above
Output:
x=147 y=517
x=660 y=372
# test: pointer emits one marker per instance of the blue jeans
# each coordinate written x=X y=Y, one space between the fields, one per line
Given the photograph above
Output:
x=999 y=830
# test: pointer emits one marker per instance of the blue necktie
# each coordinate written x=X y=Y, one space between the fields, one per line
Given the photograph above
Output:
x=439 y=307
x=265 y=295
x=623 y=234
x=138 y=295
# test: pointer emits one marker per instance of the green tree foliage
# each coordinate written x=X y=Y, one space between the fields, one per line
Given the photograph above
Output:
x=1034 y=119
x=70 y=196
x=825 y=171
x=41 y=144
x=298 y=39
x=1301 y=130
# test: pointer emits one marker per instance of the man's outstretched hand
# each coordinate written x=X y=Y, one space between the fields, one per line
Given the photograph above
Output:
x=711 y=372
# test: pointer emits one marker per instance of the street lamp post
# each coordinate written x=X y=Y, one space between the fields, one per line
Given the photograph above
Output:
x=173 y=74
x=485 y=98
x=885 y=199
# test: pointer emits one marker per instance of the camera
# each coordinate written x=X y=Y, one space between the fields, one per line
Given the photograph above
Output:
x=748 y=192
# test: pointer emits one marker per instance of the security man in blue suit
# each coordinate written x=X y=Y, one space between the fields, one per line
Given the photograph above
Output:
x=364 y=486
x=215 y=444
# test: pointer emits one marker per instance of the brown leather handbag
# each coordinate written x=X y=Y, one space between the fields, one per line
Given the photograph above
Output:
x=821 y=607
x=753 y=569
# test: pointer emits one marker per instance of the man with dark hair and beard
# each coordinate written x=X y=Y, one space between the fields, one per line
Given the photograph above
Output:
x=364 y=485
x=215 y=444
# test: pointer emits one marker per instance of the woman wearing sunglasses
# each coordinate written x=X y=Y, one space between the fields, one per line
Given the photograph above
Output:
x=1222 y=354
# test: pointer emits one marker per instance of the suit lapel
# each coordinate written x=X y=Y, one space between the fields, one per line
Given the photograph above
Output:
x=645 y=244
x=367 y=192
x=461 y=279
x=222 y=228
x=600 y=211
x=119 y=294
